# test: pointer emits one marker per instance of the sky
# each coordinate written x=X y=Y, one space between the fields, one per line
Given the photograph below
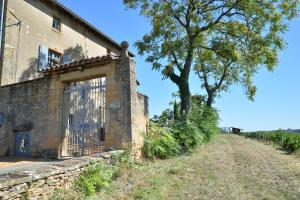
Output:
x=277 y=102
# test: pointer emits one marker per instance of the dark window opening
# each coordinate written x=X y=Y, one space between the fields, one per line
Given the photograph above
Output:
x=71 y=119
x=54 y=58
x=101 y=135
x=56 y=23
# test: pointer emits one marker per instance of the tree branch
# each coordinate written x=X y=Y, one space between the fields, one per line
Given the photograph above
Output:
x=204 y=28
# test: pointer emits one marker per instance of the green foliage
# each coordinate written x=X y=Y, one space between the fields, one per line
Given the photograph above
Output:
x=187 y=135
x=165 y=119
x=224 y=42
x=183 y=134
x=204 y=118
x=123 y=158
x=159 y=143
x=123 y=162
x=176 y=111
x=95 y=178
x=287 y=141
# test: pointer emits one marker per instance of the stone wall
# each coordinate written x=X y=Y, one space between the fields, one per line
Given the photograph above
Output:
x=40 y=183
x=140 y=122
x=36 y=106
x=25 y=107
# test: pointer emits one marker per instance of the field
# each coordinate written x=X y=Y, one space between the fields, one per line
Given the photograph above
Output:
x=231 y=167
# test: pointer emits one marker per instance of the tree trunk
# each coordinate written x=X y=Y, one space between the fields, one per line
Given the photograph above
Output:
x=185 y=97
x=210 y=99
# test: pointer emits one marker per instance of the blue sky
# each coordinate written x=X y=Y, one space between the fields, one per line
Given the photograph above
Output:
x=277 y=103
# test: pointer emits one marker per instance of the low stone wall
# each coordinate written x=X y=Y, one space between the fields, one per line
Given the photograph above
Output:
x=34 y=182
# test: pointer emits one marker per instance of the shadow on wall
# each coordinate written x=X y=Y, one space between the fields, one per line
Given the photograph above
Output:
x=31 y=72
x=70 y=54
x=74 y=53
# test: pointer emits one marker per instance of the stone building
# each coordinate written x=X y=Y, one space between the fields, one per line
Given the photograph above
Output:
x=67 y=89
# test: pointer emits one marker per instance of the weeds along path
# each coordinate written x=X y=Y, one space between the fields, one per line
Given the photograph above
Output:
x=230 y=167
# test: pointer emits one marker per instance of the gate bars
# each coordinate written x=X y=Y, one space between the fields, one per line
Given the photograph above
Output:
x=84 y=118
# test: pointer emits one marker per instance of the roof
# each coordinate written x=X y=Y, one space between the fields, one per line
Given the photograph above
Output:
x=78 y=65
x=236 y=128
x=85 y=23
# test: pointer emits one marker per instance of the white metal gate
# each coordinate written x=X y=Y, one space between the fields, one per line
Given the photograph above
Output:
x=84 y=118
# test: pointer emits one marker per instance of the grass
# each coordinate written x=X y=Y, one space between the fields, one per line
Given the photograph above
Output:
x=231 y=167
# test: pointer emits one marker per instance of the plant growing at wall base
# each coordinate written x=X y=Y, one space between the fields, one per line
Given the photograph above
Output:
x=159 y=143
x=123 y=162
x=95 y=178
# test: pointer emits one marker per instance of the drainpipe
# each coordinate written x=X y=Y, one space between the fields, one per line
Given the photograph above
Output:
x=1 y=22
x=2 y=35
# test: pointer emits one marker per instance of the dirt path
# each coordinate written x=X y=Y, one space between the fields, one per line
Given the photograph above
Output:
x=231 y=167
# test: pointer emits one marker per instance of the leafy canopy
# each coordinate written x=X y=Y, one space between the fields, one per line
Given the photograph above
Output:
x=224 y=41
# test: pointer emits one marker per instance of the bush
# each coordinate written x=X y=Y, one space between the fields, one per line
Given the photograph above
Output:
x=206 y=120
x=122 y=162
x=159 y=143
x=95 y=178
x=169 y=135
x=287 y=141
x=187 y=135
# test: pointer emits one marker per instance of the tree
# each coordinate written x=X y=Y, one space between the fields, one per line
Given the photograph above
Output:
x=223 y=41
x=175 y=111
x=166 y=117
x=246 y=39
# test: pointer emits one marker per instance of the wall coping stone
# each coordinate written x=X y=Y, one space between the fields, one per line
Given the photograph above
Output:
x=34 y=172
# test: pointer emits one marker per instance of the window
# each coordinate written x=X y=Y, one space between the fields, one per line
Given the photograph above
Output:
x=71 y=119
x=54 y=57
x=101 y=134
x=56 y=23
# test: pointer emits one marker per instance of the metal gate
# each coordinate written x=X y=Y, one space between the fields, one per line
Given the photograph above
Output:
x=22 y=144
x=84 y=118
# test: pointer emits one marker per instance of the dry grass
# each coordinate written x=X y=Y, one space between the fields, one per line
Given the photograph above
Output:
x=231 y=167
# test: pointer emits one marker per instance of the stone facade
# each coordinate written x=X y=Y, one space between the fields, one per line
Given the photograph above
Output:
x=41 y=183
x=32 y=99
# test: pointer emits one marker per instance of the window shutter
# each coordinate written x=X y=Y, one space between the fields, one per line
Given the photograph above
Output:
x=43 y=57
x=66 y=58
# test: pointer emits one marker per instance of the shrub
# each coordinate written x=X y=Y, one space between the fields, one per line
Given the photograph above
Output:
x=95 y=178
x=206 y=120
x=159 y=143
x=187 y=135
x=170 y=135
x=122 y=162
